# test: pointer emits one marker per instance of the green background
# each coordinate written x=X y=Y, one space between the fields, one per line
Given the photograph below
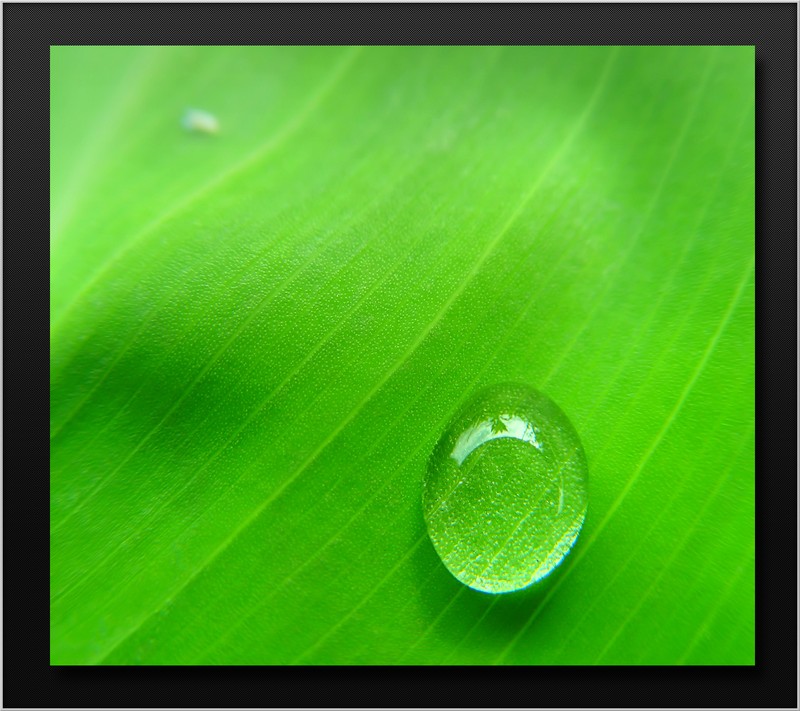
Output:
x=258 y=336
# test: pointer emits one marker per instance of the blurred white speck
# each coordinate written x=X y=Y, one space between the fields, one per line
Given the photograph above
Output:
x=199 y=121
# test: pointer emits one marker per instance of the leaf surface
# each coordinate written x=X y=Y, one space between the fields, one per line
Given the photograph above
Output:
x=258 y=336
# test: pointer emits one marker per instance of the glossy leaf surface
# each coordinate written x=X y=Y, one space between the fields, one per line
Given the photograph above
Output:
x=258 y=336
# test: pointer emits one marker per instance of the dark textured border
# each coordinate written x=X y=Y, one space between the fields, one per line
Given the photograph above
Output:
x=29 y=29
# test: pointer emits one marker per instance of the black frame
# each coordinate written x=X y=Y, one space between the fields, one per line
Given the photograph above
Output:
x=30 y=29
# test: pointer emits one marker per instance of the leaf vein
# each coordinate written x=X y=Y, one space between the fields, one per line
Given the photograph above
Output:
x=259 y=153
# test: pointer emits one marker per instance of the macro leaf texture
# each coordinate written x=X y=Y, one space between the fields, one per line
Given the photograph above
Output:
x=258 y=336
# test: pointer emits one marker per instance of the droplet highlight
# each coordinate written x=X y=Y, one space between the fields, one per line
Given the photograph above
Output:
x=505 y=494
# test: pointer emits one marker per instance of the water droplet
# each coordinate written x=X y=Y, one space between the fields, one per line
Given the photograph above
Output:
x=505 y=494
x=198 y=121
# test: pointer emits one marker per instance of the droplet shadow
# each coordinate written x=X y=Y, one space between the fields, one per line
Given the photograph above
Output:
x=470 y=620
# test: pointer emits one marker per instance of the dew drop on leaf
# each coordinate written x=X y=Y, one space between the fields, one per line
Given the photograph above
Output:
x=199 y=121
x=505 y=493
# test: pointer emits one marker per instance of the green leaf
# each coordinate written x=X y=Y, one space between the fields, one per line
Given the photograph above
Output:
x=258 y=336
